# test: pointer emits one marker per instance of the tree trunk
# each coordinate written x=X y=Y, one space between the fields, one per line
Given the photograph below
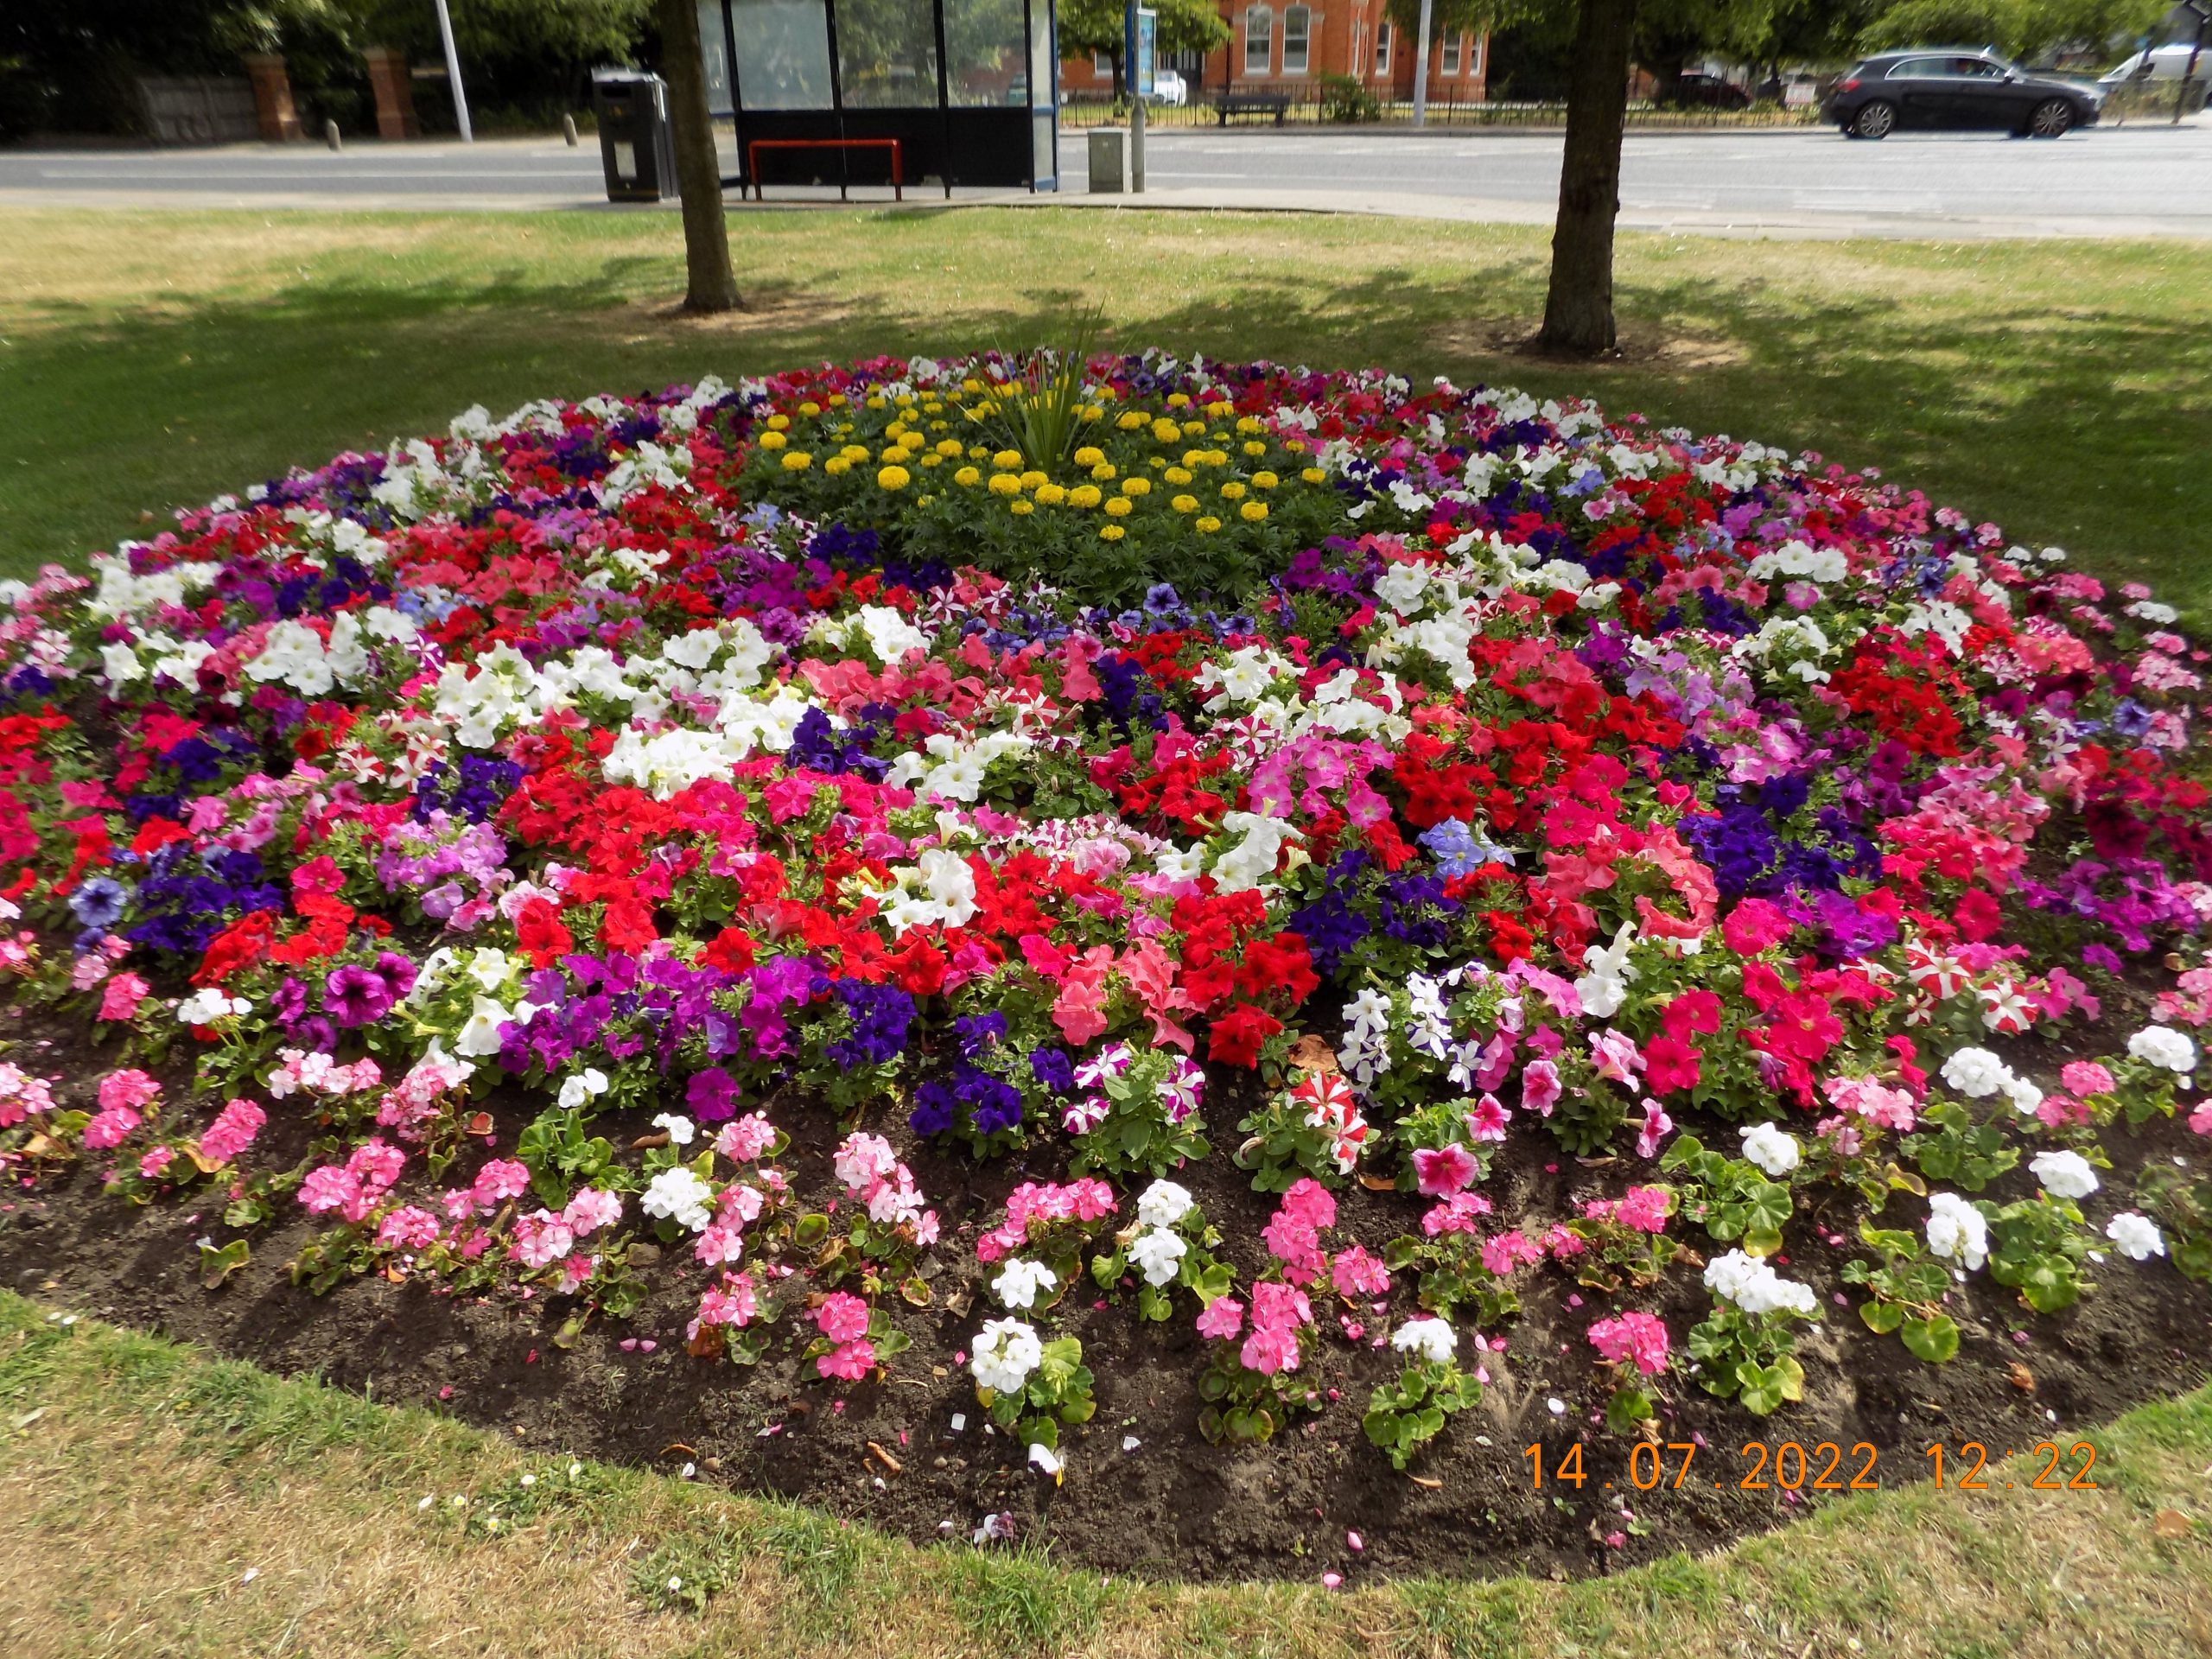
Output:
x=711 y=283
x=1578 y=308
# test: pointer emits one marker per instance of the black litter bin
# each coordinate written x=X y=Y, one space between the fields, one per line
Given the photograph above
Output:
x=635 y=144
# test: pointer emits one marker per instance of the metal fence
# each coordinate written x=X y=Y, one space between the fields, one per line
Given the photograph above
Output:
x=1309 y=107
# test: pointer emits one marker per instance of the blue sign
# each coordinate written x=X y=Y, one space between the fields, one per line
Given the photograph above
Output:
x=1140 y=48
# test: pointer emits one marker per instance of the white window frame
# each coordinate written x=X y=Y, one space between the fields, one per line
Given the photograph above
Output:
x=1386 y=41
x=1101 y=64
x=1453 y=48
x=1264 y=16
x=1305 y=14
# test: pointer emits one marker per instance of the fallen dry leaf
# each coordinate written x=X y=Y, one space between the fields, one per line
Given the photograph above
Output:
x=1312 y=1053
x=2023 y=1379
x=2171 y=1523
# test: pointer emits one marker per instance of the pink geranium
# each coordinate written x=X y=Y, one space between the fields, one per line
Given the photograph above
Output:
x=1221 y=1319
x=1637 y=1338
x=1357 y=1273
x=842 y=1316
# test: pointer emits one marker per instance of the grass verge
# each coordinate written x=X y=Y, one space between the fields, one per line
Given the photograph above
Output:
x=149 y=359
x=156 y=1500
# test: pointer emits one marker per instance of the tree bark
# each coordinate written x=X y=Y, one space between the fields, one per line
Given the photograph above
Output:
x=1579 y=308
x=711 y=283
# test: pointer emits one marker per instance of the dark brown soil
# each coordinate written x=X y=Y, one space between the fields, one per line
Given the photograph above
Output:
x=1168 y=1504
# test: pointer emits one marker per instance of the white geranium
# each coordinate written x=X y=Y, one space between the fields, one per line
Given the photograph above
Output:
x=681 y=1129
x=1956 y=1230
x=2063 y=1175
x=679 y=1195
x=1158 y=1255
x=2163 y=1046
x=1754 y=1287
x=2137 y=1236
x=1164 y=1203
x=1774 y=1150
x=1006 y=1351
x=1019 y=1282
x=204 y=1007
x=1976 y=1073
x=1431 y=1339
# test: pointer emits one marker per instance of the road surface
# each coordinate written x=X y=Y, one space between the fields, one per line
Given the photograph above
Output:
x=2142 y=179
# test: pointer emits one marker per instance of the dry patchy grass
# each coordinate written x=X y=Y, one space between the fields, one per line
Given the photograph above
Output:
x=152 y=1501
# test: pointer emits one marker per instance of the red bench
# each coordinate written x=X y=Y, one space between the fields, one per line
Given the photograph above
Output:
x=754 y=148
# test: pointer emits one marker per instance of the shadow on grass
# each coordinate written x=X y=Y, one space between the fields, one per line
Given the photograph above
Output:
x=2087 y=424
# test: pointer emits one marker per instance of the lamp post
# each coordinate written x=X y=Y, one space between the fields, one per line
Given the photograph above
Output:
x=2200 y=12
x=1420 y=70
x=453 y=72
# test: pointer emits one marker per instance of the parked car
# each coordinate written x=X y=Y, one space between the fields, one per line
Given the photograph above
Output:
x=1169 y=89
x=2167 y=63
x=1955 y=87
x=1702 y=92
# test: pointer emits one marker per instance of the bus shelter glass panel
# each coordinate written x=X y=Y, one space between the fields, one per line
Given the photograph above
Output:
x=983 y=43
x=887 y=54
x=782 y=54
x=1044 y=83
x=713 y=49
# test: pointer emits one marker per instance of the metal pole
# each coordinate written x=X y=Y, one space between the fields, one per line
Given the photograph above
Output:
x=453 y=72
x=1421 y=71
x=1135 y=89
x=2188 y=74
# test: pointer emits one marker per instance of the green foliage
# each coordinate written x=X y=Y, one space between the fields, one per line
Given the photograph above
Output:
x=1907 y=1284
x=1345 y=100
x=2037 y=1246
x=2020 y=28
x=1748 y=1358
x=1135 y=1135
x=1056 y=1392
x=1734 y=1198
x=1453 y=1276
x=2181 y=1204
x=1957 y=1150
x=1243 y=1407
x=561 y=1157
x=1403 y=1415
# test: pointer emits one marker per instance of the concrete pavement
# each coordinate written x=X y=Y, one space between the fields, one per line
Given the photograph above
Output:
x=2141 y=180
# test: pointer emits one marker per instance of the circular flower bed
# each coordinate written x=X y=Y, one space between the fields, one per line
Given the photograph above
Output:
x=1173 y=910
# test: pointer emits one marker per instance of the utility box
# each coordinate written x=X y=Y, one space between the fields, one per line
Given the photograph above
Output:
x=636 y=145
x=1110 y=161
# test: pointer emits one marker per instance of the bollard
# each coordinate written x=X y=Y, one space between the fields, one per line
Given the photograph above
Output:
x=330 y=136
x=568 y=129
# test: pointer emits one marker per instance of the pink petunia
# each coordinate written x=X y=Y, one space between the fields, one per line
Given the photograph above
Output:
x=1441 y=1171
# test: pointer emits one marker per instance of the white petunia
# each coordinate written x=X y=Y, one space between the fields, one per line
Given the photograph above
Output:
x=1956 y=1230
x=1773 y=1150
x=1976 y=1073
x=1164 y=1203
x=1006 y=1351
x=2063 y=1175
x=1431 y=1339
x=1019 y=1283
x=2137 y=1236
x=1158 y=1255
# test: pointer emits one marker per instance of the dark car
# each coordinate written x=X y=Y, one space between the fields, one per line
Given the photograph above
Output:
x=1955 y=87
x=1697 y=91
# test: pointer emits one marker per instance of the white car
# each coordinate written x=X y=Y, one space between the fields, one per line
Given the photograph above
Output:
x=1169 y=89
x=2167 y=63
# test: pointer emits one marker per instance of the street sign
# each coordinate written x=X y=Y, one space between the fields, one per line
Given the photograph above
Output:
x=1139 y=42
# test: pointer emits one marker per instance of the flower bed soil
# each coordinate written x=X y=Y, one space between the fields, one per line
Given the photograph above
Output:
x=1174 y=1506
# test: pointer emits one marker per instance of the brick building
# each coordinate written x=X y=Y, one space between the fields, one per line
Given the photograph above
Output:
x=1287 y=47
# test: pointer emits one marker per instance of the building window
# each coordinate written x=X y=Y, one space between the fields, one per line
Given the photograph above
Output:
x=1382 y=47
x=1101 y=64
x=1452 y=51
x=1297 y=39
x=1259 y=41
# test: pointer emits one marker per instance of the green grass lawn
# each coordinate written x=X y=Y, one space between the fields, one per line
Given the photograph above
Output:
x=154 y=1502
x=149 y=359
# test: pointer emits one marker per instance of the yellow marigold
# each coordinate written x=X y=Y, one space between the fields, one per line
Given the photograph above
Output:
x=895 y=431
x=948 y=448
x=979 y=452
x=1118 y=506
x=1232 y=491
x=1033 y=480
x=855 y=452
x=1249 y=424
x=1177 y=474
x=1083 y=495
x=1088 y=456
x=1296 y=445
x=809 y=409
x=773 y=440
x=797 y=460
x=1111 y=532
x=932 y=460
x=876 y=401
x=1184 y=504
x=1255 y=448
x=894 y=478
x=1221 y=409
x=1315 y=475
x=1008 y=460
x=1264 y=480
x=1051 y=495
x=1192 y=428
x=1022 y=503
x=1103 y=471
x=1137 y=486
x=1208 y=525
x=1166 y=431
x=1131 y=421
x=966 y=477
x=1005 y=484
x=836 y=465
x=837 y=400
x=1178 y=400
x=1252 y=511
x=779 y=422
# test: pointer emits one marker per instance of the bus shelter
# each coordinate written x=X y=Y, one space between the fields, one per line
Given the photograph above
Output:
x=968 y=89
